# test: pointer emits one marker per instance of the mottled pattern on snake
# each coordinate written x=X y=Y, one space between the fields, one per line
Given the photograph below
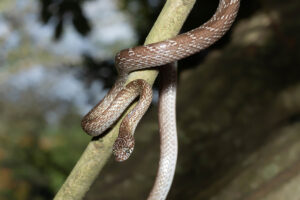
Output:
x=107 y=111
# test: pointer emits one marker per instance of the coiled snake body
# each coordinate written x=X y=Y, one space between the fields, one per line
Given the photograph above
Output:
x=107 y=111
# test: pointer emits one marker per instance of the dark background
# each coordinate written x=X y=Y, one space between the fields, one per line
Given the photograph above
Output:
x=238 y=109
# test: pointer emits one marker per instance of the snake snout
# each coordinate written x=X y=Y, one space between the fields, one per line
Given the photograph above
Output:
x=123 y=154
x=122 y=149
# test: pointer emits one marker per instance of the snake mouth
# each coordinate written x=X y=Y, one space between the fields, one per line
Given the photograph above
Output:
x=123 y=148
x=122 y=154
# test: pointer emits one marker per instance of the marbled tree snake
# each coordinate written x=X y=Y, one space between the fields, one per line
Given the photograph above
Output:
x=108 y=110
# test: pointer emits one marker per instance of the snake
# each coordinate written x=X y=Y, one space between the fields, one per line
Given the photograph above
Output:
x=164 y=55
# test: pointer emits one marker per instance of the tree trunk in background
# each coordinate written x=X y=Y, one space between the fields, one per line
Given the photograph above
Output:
x=239 y=114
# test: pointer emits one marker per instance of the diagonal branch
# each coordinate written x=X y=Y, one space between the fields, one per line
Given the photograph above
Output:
x=98 y=151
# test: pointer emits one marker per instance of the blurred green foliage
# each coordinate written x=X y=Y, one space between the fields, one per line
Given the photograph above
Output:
x=60 y=11
x=36 y=156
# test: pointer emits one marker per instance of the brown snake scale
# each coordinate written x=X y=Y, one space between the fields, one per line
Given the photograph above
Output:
x=108 y=110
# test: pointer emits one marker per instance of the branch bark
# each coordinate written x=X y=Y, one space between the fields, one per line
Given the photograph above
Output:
x=98 y=151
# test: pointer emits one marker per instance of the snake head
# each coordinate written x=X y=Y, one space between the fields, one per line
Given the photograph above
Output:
x=122 y=148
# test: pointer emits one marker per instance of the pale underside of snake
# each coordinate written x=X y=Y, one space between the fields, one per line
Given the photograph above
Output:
x=108 y=110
